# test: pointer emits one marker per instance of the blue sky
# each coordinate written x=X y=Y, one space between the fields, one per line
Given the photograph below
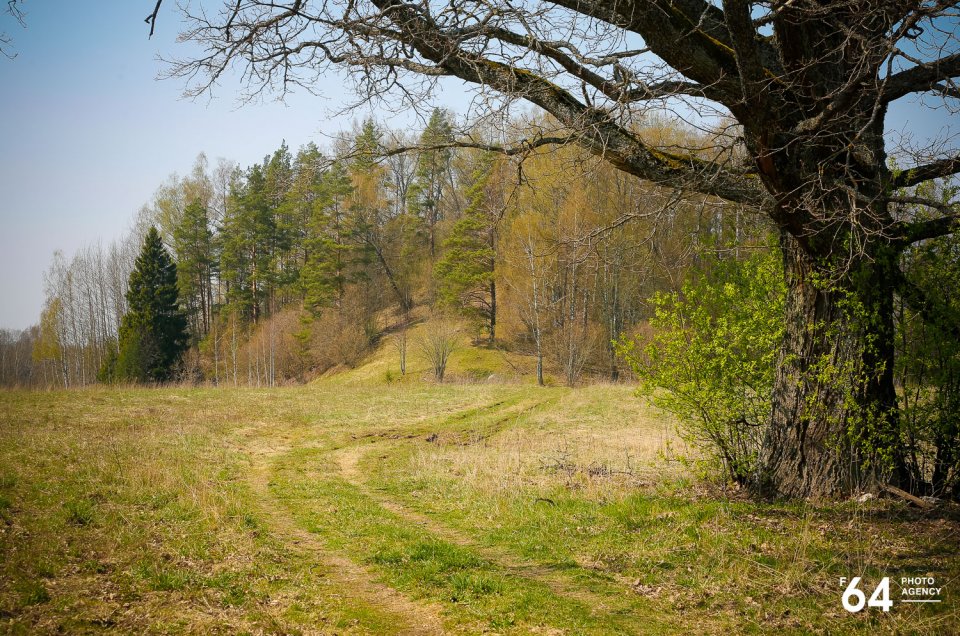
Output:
x=87 y=133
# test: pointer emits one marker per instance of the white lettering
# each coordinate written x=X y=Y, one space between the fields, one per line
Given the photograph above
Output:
x=917 y=580
x=921 y=591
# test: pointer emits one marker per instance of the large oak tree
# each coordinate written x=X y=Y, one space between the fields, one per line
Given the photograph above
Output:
x=808 y=82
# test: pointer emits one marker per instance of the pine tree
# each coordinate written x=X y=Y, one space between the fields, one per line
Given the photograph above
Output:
x=295 y=217
x=246 y=258
x=280 y=230
x=432 y=174
x=153 y=333
x=328 y=259
x=465 y=272
x=193 y=243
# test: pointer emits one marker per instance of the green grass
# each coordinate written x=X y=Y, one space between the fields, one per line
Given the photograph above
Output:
x=349 y=508
x=469 y=363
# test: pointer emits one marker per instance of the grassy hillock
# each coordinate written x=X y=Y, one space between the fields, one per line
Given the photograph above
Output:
x=470 y=363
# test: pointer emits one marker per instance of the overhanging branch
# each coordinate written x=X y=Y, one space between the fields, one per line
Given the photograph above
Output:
x=596 y=130
x=923 y=77
x=624 y=89
x=934 y=170
x=690 y=35
x=522 y=147
x=909 y=233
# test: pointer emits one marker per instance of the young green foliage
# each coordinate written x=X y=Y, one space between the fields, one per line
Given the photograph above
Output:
x=712 y=356
x=928 y=372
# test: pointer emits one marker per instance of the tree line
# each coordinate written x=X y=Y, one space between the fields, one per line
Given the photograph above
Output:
x=298 y=263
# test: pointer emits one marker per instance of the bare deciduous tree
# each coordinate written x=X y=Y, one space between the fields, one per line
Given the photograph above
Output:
x=437 y=344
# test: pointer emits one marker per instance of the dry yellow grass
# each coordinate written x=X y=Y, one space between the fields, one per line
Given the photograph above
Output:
x=597 y=439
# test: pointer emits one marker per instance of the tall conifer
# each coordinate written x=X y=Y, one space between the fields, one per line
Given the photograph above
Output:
x=153 y=333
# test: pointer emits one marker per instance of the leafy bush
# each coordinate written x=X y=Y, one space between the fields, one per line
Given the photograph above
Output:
x=711 y=356
x=928 y=371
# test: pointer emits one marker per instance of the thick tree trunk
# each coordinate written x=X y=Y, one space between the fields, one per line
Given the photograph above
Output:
x=833 y=421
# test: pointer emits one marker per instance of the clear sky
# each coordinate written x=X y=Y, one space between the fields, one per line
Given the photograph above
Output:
x=87 y=133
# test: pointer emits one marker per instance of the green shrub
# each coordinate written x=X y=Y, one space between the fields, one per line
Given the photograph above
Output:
x=711 y=357
x=927 y=371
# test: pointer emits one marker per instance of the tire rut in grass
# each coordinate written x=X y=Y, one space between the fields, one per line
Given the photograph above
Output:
x=348 y=460
x=355 y=582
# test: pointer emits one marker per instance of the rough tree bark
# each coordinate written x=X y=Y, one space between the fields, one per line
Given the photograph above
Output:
x=834 y=372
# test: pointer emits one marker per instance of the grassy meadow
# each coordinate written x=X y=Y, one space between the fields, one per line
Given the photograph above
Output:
x=360 y=504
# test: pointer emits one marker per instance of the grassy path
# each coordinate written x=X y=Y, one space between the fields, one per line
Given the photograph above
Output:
x=273 y=460
x=475 y=581
x=560 y=583
x=415 y=510
x=356 y=585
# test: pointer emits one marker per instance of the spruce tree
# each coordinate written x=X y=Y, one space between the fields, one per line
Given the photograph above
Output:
x=153 y=333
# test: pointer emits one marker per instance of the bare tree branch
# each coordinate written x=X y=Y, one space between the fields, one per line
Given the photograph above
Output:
x=690 y=35
x=519 y=148
x=913 y=176
x=923 y=77
x=14 y=10
x=152 y=18
x=600 y=134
